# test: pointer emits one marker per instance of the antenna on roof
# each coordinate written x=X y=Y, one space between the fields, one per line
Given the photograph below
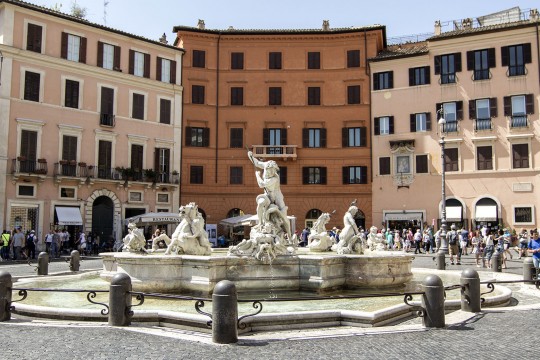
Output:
x=105 y=3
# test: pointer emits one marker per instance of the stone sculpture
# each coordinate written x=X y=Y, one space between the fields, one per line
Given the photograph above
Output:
x=272 y=235
x=375 y=241
x=318 y=239
x=134 y=241
x=350 y=238
x=190 y=236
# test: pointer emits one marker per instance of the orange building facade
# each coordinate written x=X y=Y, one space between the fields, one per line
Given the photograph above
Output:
x=299 y=97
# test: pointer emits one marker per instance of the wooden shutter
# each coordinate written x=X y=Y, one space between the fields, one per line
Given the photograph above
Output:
x=529 y=104
x=391 y=79
x=283 y=136
x=428 y=121
x=104 y=155
x=377 y=126
x=391 y=124
x=158 y=68
x=283 y=175
x=493 y=107
x=504 y=56
x=156 y=160
x=33 y=38
x=344 y=137
x=69 y=147
x=437 y=64
x=363 y=174
x=323 y=137
x=206 y=137
x=438 y=106
x=428 y=75
x=147 y=66
x=100 y=54
x=412 y=119
x=376 y=81
x=166 y=160
x=507 y=100
x=305 y=137
x=266 y=136
x=173 y=72
x=188 y=136
x=459 y=110
x=107 y=101
x=165 y=111
x=345 y=175
x=131 y=62
x=491 y=57
x=472 y=109
x=411 y=77
x=527 y=59
x=470 y=60
x=363 y=136
x=116 y=64
x=457 y=61
x=82 y=50
x=137 y=157
x=323 y=175
x=63 y=46
x=305 y=175
x=29 y=144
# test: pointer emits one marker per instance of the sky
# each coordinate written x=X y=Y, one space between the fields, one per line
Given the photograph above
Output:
x=152 y=18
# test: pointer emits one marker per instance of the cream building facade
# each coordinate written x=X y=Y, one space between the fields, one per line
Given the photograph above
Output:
x=484 y=81
x=88 y=116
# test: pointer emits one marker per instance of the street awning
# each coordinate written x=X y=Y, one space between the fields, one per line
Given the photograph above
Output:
x=401 y=216
x=68 y=215
x=154 y=218
x=486 y=213
x=454 y=213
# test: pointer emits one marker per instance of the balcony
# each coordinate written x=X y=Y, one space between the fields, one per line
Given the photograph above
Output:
x=283 y=152
x=107 y=120
x=451 y=127
x=519 y=121
x=21 y=166
x=483 y=124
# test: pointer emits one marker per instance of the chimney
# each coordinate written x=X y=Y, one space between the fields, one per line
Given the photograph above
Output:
x=326 y=25
x=437 y=27
x=466 y=24
x=533 y=15
x=200 y=24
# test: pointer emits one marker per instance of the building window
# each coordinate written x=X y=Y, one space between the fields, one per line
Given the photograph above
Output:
x=484 y=156
x=164 y=111
x=138 y=106
x=31 y=86
x=165 y=70
x=34 y=38
x=26 y=190
x=162 y=164
x=138 y=64
x=137 y=161
x=517 y=108
x=515 y=57
x=198 y=137
x=283 y=175
x=384 y=166
x=107 y=106
x=236 y=175
x=197 y=94
x=71 y=98
x=274 y=96
x=199 y=58
x=422 y=164
x=480 y=61
x=451 y=159
x=447 y=66
x=274 y=60
x=523 y=215
x=67 y=192
x=353 y=94
x=196 y=174
x=520 y=156
x=420 y=122
x=108 y=56
x=419 y=76
x=73 y=48
x=69 y=153
x=384 y=125
x=314 y=138
x=353 y=58
x=355 y=175
x=314 y=60
x=275 y=137
x=135 y=196
x=453 y=111
x=28 y=151
x=162 y=198
x=481 y=111
x=314 y=95
x=105 y=159
x=354 y=137
x=237 y=138
x=383 y=80
x=314 y=175
x=237 y=96
x=237 y=60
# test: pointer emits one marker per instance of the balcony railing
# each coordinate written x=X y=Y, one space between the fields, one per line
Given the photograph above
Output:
x=73 y=169
x=22 y=165
x=107 y=120
x=516 y=70
x=275 y=151
x=519 y=121
x=451 y=127
x=483 y=124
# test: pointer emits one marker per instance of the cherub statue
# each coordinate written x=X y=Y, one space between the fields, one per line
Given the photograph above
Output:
x=319 y=239
x=134 y=241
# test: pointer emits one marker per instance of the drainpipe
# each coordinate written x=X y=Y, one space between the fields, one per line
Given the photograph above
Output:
x=538 y=50
x=368 y=73
x=182 y=130
x=217 y=106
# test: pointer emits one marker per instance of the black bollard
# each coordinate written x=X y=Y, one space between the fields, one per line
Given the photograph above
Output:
x=496 y=262
x=433 y=301
x=120 y=300
x=6 y=284
x=440 y=260
x=225 y=313
x=74 y=261
x=529 y=272
x=470 y=293
x=43 y=263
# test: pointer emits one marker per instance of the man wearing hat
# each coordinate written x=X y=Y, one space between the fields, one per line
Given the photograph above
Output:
x=31 y=241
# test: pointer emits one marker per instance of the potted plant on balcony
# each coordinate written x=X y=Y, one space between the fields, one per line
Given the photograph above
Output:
x=150 y=175
x=63 y=162
x=82 y=164
x=42 y=161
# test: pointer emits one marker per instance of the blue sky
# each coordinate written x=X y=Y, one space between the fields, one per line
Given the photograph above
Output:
x=152 y=18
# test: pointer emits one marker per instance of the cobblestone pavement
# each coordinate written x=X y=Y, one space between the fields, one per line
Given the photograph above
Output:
x=492 y=334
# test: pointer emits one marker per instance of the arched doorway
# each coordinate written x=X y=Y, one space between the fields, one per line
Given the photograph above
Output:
x=103 y=218
x=486 y=212
x=312 y=216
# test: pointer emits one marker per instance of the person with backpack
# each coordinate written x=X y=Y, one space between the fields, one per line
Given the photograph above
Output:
x=452 y=238
x=31 y=240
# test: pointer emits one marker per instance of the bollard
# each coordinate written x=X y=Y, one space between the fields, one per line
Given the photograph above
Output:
x=433 y=301
x=496 y=262
x=120 y=300
x=529 y=271
x=43 y=263
x=225 y=313
x=440 y=260
x=471 y=291
x=6 y=284
x=74 y=261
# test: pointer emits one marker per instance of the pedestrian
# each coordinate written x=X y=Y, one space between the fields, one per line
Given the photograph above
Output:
x=55 y=245
x=476 y=242
x=452 y=238
x=82 y=243
x=48 y=241
x=305 y=234
x=31 y=241
x=17 y=244
x=5 y=244
x=398 y=241
x=523 y=243
x=488 y=250
x=464 y=240
x=534 y=249
x=390 y=240
x=418 y=242
x=427 y=241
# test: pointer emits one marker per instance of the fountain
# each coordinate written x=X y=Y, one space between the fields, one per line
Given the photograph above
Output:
x=269 y=255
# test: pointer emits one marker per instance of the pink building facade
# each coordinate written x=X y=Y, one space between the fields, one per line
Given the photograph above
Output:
x=484 y=81
x=89 y=116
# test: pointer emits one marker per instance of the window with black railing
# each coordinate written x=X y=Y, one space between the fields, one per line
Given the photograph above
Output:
x=483 y=124
x=515 y=57
x=480 y=61
x=450 y=126
x=518 y=121
x=447 y=66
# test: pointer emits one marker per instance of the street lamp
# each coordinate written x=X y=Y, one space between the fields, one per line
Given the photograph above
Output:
x=442 y=122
